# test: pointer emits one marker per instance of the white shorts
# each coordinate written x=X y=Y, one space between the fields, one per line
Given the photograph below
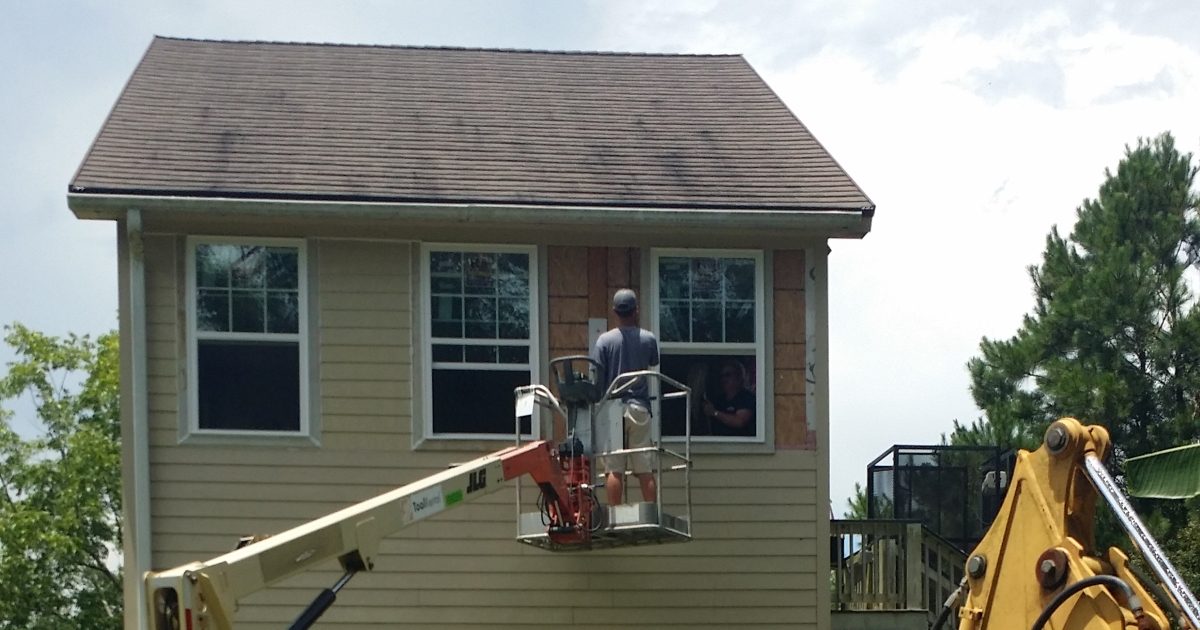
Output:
x=638 y=433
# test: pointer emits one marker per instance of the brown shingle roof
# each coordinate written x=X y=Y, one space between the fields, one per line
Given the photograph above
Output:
x=315 y=121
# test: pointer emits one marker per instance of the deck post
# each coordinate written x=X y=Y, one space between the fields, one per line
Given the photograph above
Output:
x=914 y=558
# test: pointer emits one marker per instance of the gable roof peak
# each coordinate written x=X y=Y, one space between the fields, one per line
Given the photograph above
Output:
x=437 y=47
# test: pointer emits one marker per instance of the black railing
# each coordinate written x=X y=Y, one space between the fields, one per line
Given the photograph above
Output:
x=953 y=490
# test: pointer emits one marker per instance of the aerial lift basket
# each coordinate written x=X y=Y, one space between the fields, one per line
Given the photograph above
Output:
x=584 y=405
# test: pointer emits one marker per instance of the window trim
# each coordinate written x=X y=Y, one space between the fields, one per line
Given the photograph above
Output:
x=427 y=341
x=758 y=348
x=301 y=336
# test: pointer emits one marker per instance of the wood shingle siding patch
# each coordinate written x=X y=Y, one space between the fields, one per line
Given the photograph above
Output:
x=789 y=316
x=568 y=272
x=563 y=336
x=209 y=118
x=789 y=355
x=568 y=310
x=791 y=430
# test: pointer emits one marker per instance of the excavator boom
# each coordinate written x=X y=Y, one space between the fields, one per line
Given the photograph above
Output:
x=1037 y=566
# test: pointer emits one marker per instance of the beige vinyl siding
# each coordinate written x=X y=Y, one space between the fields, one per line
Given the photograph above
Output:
x=165 y=363
x=753 y=563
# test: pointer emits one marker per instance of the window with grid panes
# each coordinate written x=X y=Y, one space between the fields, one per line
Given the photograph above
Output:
x=246 y=325
x=708 y=316
x=481 y=326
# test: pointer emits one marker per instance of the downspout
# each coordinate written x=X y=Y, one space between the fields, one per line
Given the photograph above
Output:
x=137 y=523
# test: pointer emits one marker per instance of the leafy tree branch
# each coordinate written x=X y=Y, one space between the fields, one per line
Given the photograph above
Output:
x=60 y=528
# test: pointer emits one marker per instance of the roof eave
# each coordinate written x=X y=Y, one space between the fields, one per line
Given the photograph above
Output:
x=835 y=222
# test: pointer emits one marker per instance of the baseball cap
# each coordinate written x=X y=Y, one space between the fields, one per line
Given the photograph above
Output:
x=624 y=302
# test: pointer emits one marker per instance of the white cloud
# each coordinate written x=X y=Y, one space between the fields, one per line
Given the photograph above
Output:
x=1109 y=59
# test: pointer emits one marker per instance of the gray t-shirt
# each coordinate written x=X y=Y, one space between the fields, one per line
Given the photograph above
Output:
x=626 y=349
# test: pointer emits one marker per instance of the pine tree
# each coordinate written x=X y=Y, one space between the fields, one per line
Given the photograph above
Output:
x=1114 y=334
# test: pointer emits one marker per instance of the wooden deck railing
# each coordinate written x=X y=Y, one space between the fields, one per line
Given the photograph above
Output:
x=891 y=565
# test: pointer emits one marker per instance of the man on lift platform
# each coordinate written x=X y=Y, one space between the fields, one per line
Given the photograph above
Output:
x=627 y=348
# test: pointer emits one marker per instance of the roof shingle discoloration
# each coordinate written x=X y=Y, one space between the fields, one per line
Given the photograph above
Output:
x=305 y=121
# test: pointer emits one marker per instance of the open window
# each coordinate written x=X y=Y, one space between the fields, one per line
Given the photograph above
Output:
x=708 y=313
x=247 y=341
x=480 y=324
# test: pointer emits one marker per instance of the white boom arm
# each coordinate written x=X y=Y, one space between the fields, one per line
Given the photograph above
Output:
x=204 y=595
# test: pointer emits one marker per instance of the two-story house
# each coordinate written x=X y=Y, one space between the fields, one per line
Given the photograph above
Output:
x=336 y=263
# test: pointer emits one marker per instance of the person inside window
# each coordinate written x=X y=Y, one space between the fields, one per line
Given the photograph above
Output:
x=731 y=411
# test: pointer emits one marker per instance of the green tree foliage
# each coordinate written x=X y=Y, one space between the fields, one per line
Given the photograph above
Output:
x=1114 y=335
x=1005 y=431
x=60 y=499
x=1182 y=548
x=856 y=506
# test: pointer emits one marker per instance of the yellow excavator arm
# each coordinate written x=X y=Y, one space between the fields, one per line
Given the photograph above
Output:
x=1037 y=566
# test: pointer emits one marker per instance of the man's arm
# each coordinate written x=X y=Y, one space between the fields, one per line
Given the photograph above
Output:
x=599 y=354
x=738 y=419
x=741 y=416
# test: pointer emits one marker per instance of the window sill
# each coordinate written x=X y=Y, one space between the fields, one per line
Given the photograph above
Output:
x=297 y=440
x=471 y=444
x=722 y=447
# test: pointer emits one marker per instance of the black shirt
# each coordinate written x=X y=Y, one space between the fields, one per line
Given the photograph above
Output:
x=744 y=399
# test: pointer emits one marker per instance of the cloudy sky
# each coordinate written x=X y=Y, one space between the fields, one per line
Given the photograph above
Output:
x=974 y=127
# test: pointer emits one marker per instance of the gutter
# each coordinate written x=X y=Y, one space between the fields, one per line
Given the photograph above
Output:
x=842 y=222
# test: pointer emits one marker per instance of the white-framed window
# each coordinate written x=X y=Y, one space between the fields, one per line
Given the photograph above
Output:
x=707 y=308
x=480 y=322
x=247 y=305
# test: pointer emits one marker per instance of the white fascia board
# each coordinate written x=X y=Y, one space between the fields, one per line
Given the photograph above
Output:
x=834 y=222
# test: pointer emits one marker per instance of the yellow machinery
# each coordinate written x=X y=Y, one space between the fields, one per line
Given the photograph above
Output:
x=1037 y=566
